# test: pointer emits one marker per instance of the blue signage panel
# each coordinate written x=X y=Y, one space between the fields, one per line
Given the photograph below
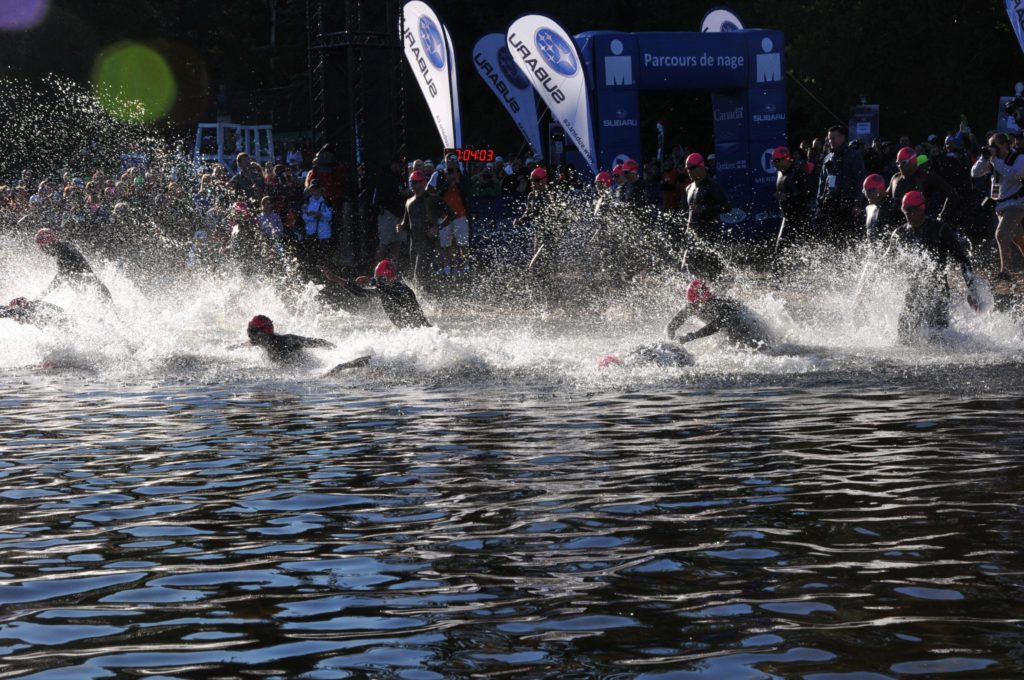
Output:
x=729 y=111
x=768 y=113
x=732 y=170
x=744 y=70
x=864 y=122
x=692 y=61
x=617 y=126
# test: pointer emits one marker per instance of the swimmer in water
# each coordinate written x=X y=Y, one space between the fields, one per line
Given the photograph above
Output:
x=34 y=312
x=72 y=267
x=397 y=299
x=720 y=314
x=280 y=347
x=664 y=354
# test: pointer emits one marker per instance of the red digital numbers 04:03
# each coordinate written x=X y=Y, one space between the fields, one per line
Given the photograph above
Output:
x=479 y=155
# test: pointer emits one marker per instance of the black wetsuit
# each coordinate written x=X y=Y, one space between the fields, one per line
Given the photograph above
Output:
x=706 y=201
x=795 y=194
x=927 y=300
x=660 y=354
x=36 y=313
x=399 y=302
x=722 y=314
x=282 y=347
x=939 y=196
x=881 y=219
x=839 y=193
x=72 y=269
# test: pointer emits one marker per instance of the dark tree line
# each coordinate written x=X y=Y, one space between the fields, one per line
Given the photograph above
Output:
x=925 y=62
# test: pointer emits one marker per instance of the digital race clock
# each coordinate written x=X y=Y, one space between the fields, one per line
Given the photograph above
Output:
x=471 y=154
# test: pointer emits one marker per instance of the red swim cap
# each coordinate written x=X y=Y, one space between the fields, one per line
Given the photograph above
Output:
x=609 y=360
x=630 y=165
x=906 y=154
x=604 y=178
x=617 y=170
x=781 y=153
x=539 y=173
x=913 y=199
x=262 y=324
x=18 y=302
x=385 y=269
x=417 y=176
x=695 y=159
x=697 y=291
x=45 y=237
x=876 y=182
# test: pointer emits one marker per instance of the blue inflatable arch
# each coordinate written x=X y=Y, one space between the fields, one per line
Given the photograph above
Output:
x=743 y=70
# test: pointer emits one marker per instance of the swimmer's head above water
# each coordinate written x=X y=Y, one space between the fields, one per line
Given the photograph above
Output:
x=259 y=327
x=697 y=292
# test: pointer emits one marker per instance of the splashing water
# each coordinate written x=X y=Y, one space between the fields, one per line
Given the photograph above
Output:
x=832 y=311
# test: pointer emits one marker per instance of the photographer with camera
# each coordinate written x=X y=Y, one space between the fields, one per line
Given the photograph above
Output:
x=1006 y=166
x=1015 y=109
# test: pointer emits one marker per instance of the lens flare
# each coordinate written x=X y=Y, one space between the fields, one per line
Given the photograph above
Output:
x=21 y=15
x=134 y=82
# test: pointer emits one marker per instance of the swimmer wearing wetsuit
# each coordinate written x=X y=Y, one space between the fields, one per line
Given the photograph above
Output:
x=663 y=354
x=280 y=347
x=34 y=312
x=72 y=267
x=720 y=314
x=926 y=304
x=397 y=299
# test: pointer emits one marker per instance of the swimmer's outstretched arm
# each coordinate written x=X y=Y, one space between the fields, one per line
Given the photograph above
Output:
x=710 y=329
x=50 y=287
x=678 y=320
x=314 y=342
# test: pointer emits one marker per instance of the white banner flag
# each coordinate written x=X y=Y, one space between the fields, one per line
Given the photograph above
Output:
x=456 y=114
x=430 y=56
x=495 y=65
x=546 y=53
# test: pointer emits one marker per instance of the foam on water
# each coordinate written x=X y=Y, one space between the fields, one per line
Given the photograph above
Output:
x=181 y=329
x=832 y=311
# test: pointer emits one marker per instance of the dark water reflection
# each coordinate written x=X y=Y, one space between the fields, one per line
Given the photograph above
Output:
x=811 y=530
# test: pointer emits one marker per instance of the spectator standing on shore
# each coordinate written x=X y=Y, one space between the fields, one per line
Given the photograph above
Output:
x=248 y=180
x=839 y=187
x=389 y=197
x=453 y=188
x=1006 y=167
x=316 y=215
x=331 y=177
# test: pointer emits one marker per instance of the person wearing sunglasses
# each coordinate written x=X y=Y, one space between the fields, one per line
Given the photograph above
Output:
x=926 y=303
x=915 y=173
x=705 y=199
x=881 y=215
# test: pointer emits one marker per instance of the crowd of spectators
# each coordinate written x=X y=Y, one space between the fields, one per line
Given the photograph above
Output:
x=296 y=214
